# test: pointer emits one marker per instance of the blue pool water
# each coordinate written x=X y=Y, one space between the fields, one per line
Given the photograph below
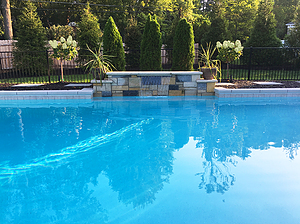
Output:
x=152 y=160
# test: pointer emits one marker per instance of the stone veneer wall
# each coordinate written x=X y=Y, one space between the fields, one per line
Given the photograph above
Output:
x=164 y=85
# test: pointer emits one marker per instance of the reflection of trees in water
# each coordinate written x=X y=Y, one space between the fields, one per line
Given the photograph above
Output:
x=216 y=176
x=141 y=163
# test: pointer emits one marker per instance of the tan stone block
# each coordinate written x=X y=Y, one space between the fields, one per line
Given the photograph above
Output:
x=210 y=87
x=153 y=87
x=176 y=93
x=165 y=80
x=145 y=93
x=154 y=93
x=117 y=94
x=207 y=94
x=135 y=82
x=190 y=92
x=97 y=94
x=172 y=81
x=115 y=88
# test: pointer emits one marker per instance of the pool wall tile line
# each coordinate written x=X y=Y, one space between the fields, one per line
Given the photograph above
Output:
x=85 y=93
x=271 y=92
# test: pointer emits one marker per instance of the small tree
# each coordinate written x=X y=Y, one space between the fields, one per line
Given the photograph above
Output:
x=30 y=50
x=56 y=32
x=89 y=33
x=183 y=49
x=113 y=45
x=151 y=46
x=63 y=50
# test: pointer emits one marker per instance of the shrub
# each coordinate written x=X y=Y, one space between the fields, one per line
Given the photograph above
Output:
x=30 y=50
x=89 y=33
x=151 y=46
x=183 y=49
x=113 y=45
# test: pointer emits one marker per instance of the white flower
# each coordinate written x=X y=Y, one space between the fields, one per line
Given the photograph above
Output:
x=219 y=45
x=74 y=44
x=64 y=46
x=225 y=44
x=69 y=40
x=53 y=43
x=62 y=39
x=230 y=44
x=238 y=43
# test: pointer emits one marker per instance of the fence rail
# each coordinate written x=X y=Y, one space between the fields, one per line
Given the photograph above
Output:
x=254 y=64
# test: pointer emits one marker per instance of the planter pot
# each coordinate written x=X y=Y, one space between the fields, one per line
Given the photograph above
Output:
x=208 y=73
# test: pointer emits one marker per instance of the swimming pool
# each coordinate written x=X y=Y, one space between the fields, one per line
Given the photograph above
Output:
x=150 y=160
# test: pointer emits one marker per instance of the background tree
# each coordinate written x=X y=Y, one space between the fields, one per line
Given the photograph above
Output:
x=263 y=33
x=218 y=30
x=293 y=38
x=30 y=51
x=88 y=33
x=113 y=45
x=284 y=11
x=240 y=15
x=56 y=32
x=183 y=50
x=151 y=46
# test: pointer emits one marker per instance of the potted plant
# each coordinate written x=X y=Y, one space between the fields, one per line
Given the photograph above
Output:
x=99 y=65
x=63 y=50
x=228 y=52
x=208 y=66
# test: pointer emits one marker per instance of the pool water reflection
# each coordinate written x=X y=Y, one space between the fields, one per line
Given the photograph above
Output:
x=152 y=160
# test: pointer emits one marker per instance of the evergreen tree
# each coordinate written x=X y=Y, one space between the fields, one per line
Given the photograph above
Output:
x=151 y=46
x=263 y=33
x=89 y=34
x=113 y=45
x=183 y=49
x=30 y=50
x=218 y=30
x=293 y=38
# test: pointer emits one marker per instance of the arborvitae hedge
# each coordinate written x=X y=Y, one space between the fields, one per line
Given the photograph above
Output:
x=183 y=48
x=151 y=46
x=30 y=50
x=113 y=45
x=88 y=33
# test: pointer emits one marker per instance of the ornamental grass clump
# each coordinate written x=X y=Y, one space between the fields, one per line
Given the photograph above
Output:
x=229 y=52
x=63 y=50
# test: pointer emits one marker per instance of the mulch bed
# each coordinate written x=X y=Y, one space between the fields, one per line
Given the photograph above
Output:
x=51 y=86
x=238 y=85
x=252 y=85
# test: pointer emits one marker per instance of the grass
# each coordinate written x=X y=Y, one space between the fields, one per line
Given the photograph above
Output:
x=75 y=78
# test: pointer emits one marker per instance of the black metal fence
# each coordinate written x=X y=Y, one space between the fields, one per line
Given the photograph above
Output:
x=254 y=64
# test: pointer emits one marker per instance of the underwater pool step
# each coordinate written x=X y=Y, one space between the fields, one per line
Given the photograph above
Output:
x=260 y=92
x=85 y=93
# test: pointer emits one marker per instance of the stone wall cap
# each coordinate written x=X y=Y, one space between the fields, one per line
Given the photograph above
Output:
x=153 y=73
x=206 y=80
x=103 y=81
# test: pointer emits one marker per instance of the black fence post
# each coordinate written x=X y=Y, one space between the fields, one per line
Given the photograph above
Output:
x=249 y=66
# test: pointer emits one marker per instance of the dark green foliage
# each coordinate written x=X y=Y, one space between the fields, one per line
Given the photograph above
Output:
x=30 y=50
x=56 y=32
x=183 y=49
x=293 y=38
x=113 y=45
x=218 y=29
x=132 y=39
x=89 y=34
x=263 y=33
x=151 y=46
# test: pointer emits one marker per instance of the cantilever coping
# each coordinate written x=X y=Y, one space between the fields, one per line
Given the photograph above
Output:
x=152 y=73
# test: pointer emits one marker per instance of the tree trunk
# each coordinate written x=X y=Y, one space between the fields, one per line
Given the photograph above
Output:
x=5 y=9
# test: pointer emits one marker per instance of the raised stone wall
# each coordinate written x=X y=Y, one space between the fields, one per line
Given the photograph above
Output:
x=153 y=84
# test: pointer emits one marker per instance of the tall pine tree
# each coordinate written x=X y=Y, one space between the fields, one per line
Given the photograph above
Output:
x=89 y=34
x=263 y=33
x=30 y=50
x=113 y=45
x=183 y=48
x=151 y=46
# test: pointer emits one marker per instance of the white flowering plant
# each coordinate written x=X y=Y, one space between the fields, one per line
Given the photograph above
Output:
x=64 y=50
x=229 y=52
